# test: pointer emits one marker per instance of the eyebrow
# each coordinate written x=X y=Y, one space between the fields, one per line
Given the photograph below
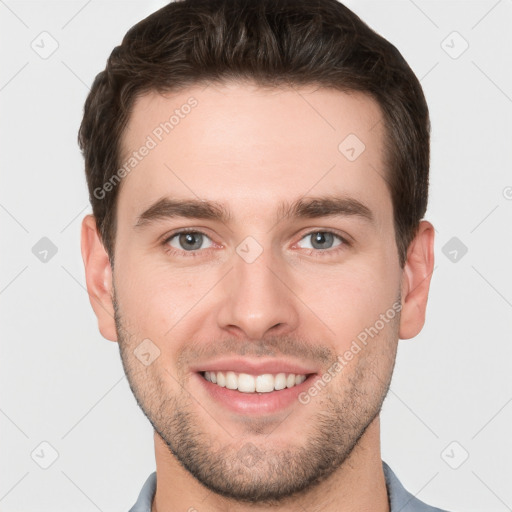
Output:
x=302 y=208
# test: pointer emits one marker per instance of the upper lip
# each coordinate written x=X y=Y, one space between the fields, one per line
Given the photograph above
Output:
x=255 y=367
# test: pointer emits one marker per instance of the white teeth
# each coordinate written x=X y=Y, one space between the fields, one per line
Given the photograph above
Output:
x=264 y=383
x=221 y=379
x=280 y=381
x=246 y=383
x=231 y=380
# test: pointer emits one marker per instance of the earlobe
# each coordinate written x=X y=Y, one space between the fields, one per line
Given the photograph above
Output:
x=416 y=281
x=98 y=276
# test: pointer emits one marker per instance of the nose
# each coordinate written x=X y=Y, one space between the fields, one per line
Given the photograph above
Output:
x=258 y=297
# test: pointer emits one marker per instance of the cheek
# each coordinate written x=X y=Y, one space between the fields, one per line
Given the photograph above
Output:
x=349 y=299
x=156 y=298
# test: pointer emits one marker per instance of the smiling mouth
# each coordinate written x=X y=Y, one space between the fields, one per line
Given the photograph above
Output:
x=247 y=383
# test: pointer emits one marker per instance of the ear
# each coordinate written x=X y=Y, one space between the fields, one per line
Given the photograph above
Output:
x=416 y=281
x=98 y=277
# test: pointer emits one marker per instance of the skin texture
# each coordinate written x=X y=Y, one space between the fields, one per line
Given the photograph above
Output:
x=250 y=149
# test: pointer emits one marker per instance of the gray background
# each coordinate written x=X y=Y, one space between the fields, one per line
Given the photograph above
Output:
x=63 y=384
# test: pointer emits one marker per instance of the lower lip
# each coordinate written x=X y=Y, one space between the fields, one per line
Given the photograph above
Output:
x=255 y=403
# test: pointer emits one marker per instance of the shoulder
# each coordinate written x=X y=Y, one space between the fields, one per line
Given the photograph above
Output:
x=146 y=495
x=400 y=499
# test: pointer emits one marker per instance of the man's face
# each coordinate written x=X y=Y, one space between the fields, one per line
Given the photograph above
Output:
x=278 y=292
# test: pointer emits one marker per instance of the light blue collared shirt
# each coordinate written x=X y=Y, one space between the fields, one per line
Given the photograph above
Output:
x=400 y=500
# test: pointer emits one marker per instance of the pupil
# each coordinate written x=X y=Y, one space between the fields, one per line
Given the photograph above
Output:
x=321 y=237
x=187 y=240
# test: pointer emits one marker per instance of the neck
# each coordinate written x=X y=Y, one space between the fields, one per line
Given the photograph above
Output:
x=357 y=486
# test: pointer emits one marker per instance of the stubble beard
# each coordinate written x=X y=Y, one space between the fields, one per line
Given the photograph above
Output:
x=250 y=469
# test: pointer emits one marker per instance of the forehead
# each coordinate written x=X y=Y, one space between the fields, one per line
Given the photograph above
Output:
x=241 y=144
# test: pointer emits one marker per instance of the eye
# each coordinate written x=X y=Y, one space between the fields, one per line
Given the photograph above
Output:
x=192 y=241
x=188 y=241
x=322 y=240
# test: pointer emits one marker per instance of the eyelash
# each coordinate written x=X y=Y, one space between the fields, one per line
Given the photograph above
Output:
x=318 y=253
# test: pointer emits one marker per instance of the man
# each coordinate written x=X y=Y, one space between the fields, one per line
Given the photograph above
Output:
x=258 y=173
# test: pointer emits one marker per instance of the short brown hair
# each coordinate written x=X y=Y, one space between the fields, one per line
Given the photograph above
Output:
x=271 y=43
